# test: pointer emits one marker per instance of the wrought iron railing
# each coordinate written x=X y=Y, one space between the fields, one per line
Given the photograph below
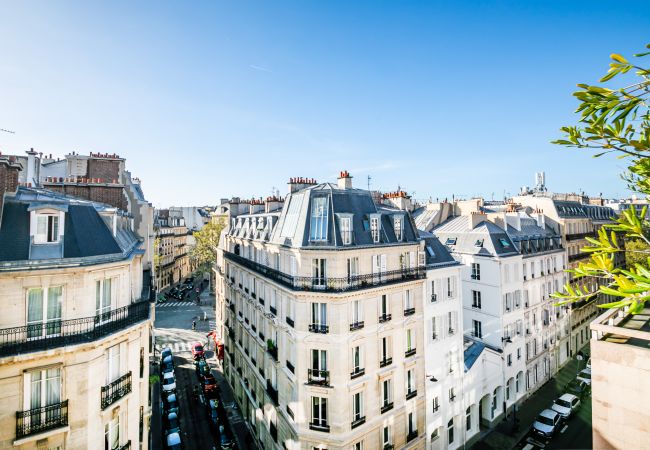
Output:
x=273 y=392
x=319 y=328
x=576 y=236
x=319 y=425
x=115 y=390
x=320 y=284
x=42 y=419
x=356 y=325
x=319 y=377
x=357 y=422
x=46 y=336
x=126 y=446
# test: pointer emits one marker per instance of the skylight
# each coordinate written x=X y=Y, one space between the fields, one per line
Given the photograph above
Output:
x=451 y=241
x=504 y=243
x=430 y=251
x=479 y=243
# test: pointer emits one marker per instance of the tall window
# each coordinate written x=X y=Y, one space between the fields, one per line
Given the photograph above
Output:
x=357 y=363
x=450 y=432
x=319 y=411
x=112 y=434
x=318 y=363
x=386 y=390
x=477 y=326
x=319 y=313
x=352 y=269
x=357 y=406
x=410 y=381
x=318 y=226
x=113 y=364
x=468 y=418
x=408 y=299
x=436 y=404
x=356 y=311
x=451 y=320
x=451 y=287
x=476 y=271
x=412 y=425
x=44 y=311
x=374 y=229
x=44 y=390
x=434 y=328
x=318 y=272
x=410 y=340
x=386 y=436
x=476 y=299
x=383 y=306
x=397 y=223
x=104 y=293
x=434 y=296
x=346 y=230
x=385 y=348
x=47 y=229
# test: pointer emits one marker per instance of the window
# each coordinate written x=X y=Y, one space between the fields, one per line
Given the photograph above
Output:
x=452 y=394
x=452 y=321
x=383 y=305
x=451 y=287
x=112 y=434
x=346 y=230
x=318 y=225
x=104 y=294
x=510 y=359
x=504 y=243
x=436 y=404
x=476 y=299
x=112 y=363
x=386 y=436
x=450 y=431
x=476 y=271
x=519 y=353
x=434 y=328
x=397 y=224
x=374 y=229
x=478 y=243
x=410 y=340
x=468 y=418
x=408 y=300
x=319 y=411
x=357 y=363
x=356 y=311
x=385 y=348
x=450 y=241
x=353 y=269
x=410 y=381
x=412 y=424
x=44 y=389
x=357 y=406
x=476 y=325
x=319 y=314
x=434 y=296
x=358 y=446
x=47 y=229
x=44 y=311
x=318 y=267
x=387 y=397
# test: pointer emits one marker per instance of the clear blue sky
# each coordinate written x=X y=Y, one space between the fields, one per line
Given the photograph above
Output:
x=229 y=98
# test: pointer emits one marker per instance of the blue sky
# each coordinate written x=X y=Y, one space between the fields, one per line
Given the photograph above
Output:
x=208 y=100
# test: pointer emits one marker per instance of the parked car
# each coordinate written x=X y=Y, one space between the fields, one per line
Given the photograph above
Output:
x=585 y=375
x=169 y=382
x=197 y=350
x=578 y=388
x=174 y=441
x=547 y=423
x=213 y=412
x=566 y=405
x=172 y=424
x=589 y=364
x=167 y=365
x=189 y=280
x=209 y=385
x=170 y=404
x=202 y=368
x=165 y=353
x=225 y=441
x=175 y=293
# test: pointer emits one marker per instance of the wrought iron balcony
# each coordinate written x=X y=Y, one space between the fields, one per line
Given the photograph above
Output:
x=320 y=425
x=412 y=435
x=411 y=394
x=273 y=392
x=54 y=334
x=357 y=422
x=410 y=352
x=409 y=311
x=386 y=407
x=273 y=310
x=386 y=362
x=576 y=236
x=290 y=322
x=319 y=377
x=356 y=325
x=319 y=328
x=385 y=318
x=579 y=256
x=39 y=420
x=319 y=284
x=115 y=390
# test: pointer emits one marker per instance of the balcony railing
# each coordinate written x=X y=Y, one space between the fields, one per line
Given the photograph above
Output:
x=409 y=311
x=320 y=284
x=386 y=407
x=320 y=425
x=576 y=236
x=357 y=422
x=411 y=394
x=578 y=256
x=126 y=446
x=385 y=362
x=273 y=392
x=114 y=391
x=319 y=377
x=39 y=420
x=412 y=435
x=385 y=318
x=357 y=373
x=50 y=335
x=319 y=328
x=356 y=325
x=410 y=352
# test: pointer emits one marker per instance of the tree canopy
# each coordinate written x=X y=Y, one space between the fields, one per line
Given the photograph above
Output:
x=204 y=252
x=616 y=119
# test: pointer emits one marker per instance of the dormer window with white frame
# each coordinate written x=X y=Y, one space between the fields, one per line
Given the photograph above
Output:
x=398 y=226
x=47 y=225
x=318 y=223
x=375 y=229
x=345 y=225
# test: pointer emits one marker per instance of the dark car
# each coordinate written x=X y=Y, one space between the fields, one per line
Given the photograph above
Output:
x=189 y=280
x=213 y=412
x=167 y=365
x=172 y=424
x=209 y=385
x=202 y=368
x=578 y=388
x=170 y=404
x=175 y=293
x=225 y=440
x=165 y=353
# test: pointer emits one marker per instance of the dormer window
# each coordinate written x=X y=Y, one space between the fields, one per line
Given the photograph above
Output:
x=504 y=243
x=47 y=229
x=450 y=241
x=346 y=230
x=374 y=229
x=318 y=225
x=398 y=226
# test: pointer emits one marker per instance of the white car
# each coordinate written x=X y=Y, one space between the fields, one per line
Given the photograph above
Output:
x=566 y=405
x=585 y=375
x=546 y=423
x=174 y=441
x=169 y=382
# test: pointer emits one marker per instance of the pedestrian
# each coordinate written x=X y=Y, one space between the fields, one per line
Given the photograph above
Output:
x=194 y=325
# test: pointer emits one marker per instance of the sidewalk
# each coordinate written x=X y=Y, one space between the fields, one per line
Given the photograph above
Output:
x=504 y=435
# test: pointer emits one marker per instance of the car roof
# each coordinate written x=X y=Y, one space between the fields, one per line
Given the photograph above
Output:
x=548 y=413
x=168 y=358
x=587 y=370
x=567 y=397
x=171 y=397
x=172 y=415
x=173 y=439
x=169 y=375
x=167 y=349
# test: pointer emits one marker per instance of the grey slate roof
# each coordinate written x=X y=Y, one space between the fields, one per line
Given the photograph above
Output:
x=472 y=351
x=494 y=241
x=85 y=233
x=435 y=252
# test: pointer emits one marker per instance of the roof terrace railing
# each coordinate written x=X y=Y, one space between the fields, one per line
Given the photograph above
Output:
x=327 y=284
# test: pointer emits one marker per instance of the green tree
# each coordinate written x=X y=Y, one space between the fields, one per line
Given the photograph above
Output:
x=204 y=252
x=616 y=120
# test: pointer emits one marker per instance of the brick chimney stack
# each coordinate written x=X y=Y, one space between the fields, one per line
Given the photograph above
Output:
x=298 y=183
x=345 y=180
x=9 y=169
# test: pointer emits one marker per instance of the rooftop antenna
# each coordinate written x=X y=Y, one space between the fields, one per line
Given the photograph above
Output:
x=273 y=191
x=369 y=178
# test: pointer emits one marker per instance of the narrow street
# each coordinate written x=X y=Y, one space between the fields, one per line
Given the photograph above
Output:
x=173 y=329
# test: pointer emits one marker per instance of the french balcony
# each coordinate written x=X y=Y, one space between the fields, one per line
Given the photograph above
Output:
x=579 y=256
x=318 y=377
x=409 y=311
x=320 y=425
x=290 y=366
x=576 y=236
x=411 y=394
x=412 y=435
x=356 y=325
x=410 y=352
x=386 y=362
x=385 y=318
x=319 y=328
x=273 y=352
x=63 y=333
x=320 y=284
x=290 y=322
x=273 y=392
x=358 y=422
x=115 y=390
x=386 y=407
x=356 y=373
x=40 y=420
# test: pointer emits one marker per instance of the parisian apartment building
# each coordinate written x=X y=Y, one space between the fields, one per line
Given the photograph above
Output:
x=446 y=299
x=173 y=241
x=76 y=324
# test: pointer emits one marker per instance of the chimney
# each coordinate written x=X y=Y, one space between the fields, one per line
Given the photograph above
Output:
x=540 y=217
x=345 y=180
x=398 y=199
x=8 y=179
x=255 y=206
x=475 y=218
x=273 y=203
x=298 y=183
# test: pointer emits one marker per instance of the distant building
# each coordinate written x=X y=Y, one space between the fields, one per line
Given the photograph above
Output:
x=76 y=330
x=172 y=254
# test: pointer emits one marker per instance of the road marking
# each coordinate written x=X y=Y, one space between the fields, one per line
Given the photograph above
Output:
x=564 y=429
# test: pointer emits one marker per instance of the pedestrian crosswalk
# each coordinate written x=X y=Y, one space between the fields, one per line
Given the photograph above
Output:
x=172 y=304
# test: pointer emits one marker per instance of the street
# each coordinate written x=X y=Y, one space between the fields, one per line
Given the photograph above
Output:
x=173 y=329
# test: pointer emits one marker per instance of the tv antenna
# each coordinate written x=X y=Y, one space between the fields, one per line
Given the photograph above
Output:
x=369 y=178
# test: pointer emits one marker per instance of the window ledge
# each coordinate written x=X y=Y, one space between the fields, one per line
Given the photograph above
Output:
x=43 y=435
